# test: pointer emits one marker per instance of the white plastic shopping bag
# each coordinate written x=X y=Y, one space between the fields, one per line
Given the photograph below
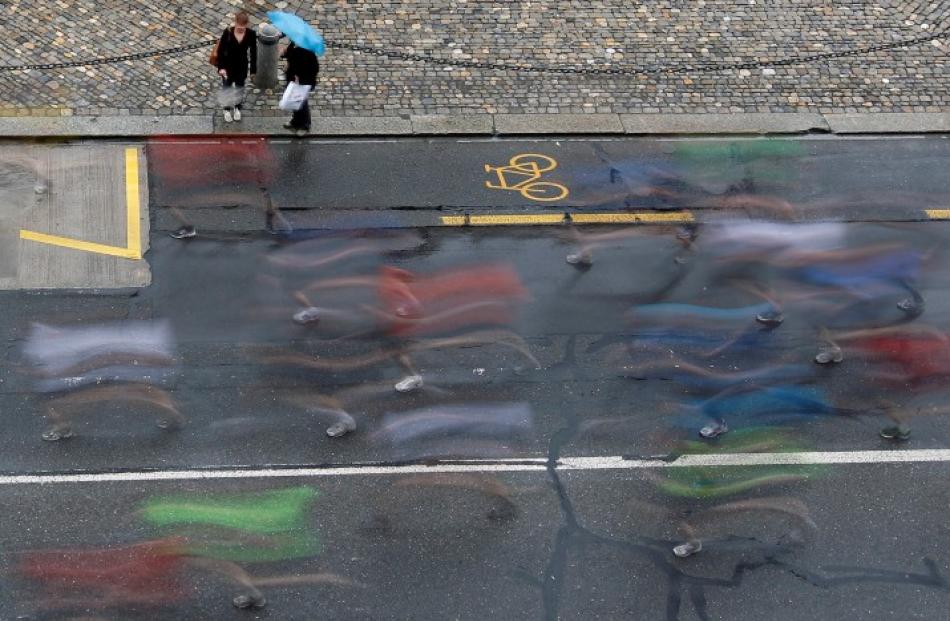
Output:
x=230 y=96
x=294 y=96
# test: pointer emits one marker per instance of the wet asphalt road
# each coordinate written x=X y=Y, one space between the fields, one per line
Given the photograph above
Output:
x=531 y=545
x=824 y=177
x=241 y=410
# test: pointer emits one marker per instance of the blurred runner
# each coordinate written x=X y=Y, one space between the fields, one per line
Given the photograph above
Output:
x=122 y=361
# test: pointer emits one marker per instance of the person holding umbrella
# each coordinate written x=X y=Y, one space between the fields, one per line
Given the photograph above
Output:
x=302 y=68
x=237 y=43
x=302 y=64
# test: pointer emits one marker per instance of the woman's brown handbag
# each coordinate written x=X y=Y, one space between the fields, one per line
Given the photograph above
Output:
x=213 y=59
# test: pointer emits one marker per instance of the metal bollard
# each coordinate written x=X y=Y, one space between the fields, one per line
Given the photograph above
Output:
x=267 y=38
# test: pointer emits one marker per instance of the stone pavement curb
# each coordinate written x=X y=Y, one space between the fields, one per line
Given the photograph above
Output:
x=103 y=126
x=898 y=123
x=484 y=124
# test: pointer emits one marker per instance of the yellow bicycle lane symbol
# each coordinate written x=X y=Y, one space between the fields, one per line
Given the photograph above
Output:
x=526 y=169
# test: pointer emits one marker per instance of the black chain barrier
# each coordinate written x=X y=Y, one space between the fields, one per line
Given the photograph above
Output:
x=472 y=64
x=111 y=59
x=702 y=68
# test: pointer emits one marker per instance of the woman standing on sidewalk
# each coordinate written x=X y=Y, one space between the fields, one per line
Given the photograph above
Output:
x=238 y=42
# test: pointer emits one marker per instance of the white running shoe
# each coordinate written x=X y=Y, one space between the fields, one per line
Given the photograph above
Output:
x=227 y=116
x=237 y=114
x=307 y=315
x=829 y=355
x=687 y=549
x=714 y=429
x=185 y=232
x=409 y=383
x=579 y=258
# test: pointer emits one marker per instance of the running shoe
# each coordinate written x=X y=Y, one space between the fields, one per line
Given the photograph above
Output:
x=408 y=383
x=184 y=232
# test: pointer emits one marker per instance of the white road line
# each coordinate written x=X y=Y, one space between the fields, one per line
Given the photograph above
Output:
x=759 y=459
x=264 y=473
x=510 y=465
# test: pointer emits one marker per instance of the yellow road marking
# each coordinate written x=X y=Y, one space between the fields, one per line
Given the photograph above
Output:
x=559 y=218
x=622 y=218
x=495 y=220
x=78 y=244
x=132 y=207
x=938 y=214
x=530 y=166
x=133 y=247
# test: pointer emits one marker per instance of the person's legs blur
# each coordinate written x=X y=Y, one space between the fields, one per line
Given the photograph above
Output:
x=301 y=117
x=225 y=84
x=239 y=84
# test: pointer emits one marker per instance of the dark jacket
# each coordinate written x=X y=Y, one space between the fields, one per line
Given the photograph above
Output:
x=233 y=55
x=301 y=63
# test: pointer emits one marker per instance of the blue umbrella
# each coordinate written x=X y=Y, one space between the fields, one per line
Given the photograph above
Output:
x=298 y=31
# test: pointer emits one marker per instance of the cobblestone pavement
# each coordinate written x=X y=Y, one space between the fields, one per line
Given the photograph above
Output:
x=593 y=33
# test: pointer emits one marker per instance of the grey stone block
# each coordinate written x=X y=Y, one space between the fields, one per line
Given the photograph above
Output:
x=558 y=124
x=103 y=126
x=321 y=126
x=750 y=123
x=361 y=125
x=452 y=124
x=889 y=122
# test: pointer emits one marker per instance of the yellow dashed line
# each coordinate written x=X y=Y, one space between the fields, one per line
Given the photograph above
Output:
x=560 y=218
x=495 y=220
x=504 y=219
x=938 y=214
x=625 y=218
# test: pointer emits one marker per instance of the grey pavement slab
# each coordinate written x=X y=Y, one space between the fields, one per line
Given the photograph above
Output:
x=367 y=126
x=452 y=124
x=558 y=124
x=897 y=123
x=104 y=126
x=712 y=123
x=26 y=127
x=74 y=196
